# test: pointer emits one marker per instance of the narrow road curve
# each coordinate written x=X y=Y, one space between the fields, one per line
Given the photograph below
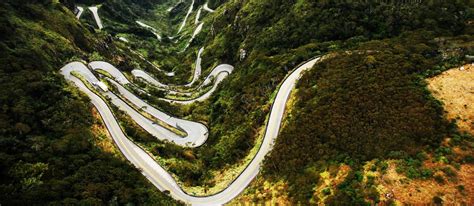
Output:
x=217 y=75
x=153 y=30
x=195 y=33
x=206 y=7
x=169 y=74
x=79 y=13
x=94 y=11
x=160 y=177
x=221 y=72
x=196 y=133
x=198 y=15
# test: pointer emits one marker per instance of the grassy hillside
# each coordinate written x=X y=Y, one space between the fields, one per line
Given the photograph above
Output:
x=47 y=154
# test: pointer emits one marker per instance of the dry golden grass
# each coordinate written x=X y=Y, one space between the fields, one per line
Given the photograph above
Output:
x=421 y=192
x=266 y=193
x=455 y=88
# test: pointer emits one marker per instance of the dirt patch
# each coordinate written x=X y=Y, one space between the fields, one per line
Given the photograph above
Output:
x=422 y=192
x=455 y=88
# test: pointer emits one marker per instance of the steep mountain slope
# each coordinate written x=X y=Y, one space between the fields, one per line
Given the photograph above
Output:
x=48 y=149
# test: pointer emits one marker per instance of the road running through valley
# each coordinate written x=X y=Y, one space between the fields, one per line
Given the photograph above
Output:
x=157 y=174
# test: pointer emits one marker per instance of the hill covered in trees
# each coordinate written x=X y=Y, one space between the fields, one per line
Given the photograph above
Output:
x=366 y=101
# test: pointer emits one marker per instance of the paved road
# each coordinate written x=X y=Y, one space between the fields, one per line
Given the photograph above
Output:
x=170 y=74
x=206 y=7
x=96 y=16
x=220 y=77
x=153 y=30
x=218 y=74
x=195 y=33
x=160 y=177
x=78 y=15
x=109 y=68
x=198 y=15
x=196 y=133
x=186 y=17
x=123 y=39
x=198 y=68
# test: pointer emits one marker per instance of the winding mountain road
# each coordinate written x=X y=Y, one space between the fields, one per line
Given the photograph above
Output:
x=195 y=33
x=217 y=75
x=195 y=133
x=151 y=169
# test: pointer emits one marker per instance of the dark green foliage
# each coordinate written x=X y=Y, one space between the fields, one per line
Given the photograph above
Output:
x=326 y=191
x=127 y=11
x=46 y=150
x=350 y=192
x=449 y=172
x=439 y=179
x=273 y=26
x=412 y=167
x=215 y=3
x=461 y=189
